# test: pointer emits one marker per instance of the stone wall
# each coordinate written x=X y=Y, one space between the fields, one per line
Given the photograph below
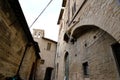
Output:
x=103 y=14
x=48 y=56
x=97 y=52
x=92 y=30
x=13 y=41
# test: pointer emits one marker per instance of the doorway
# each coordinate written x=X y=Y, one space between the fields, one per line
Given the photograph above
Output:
x=116 y=52
x=48 y=73
x=66 y=66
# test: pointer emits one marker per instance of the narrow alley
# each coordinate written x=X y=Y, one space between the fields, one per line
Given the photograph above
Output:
x=88 y=46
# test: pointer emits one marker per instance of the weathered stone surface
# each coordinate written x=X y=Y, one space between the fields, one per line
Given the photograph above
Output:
x=93 y=28
x=48 y=55
x=13 y=42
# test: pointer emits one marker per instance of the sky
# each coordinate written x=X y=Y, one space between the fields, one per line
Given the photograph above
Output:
x=47 y=21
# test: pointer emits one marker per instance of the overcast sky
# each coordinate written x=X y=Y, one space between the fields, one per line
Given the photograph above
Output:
x=47 y=21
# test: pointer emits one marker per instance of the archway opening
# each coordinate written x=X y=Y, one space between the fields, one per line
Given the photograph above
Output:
x=116 y=53
x=97 y=41
x=48 y=73
x=82 y=29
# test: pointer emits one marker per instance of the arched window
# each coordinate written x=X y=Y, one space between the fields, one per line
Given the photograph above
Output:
x=74 y=8
x=66 y=66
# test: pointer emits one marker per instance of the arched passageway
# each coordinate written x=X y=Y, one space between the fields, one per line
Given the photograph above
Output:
x=97 y=50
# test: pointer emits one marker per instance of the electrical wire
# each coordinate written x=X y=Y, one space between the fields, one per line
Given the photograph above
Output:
x=41 y=13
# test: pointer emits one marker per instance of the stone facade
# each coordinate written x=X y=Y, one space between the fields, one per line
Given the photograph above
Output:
x=45 y=68
x=88 y=31
x=18 y=50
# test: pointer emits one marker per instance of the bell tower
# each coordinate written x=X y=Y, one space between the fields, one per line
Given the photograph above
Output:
x=37 y=33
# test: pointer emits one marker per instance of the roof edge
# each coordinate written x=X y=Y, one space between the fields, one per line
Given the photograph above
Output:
x=49 y=40
x=60 y=15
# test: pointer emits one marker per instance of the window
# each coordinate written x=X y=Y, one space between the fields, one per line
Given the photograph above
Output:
x=68 y=11
x=39 y=34
x=42 y=61
x=48 y=46
x=74 y=9
x=67 y=66
x=85 y=69
x=57 y=70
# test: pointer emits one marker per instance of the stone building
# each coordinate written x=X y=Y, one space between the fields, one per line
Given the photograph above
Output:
x=88 y=44
x=19 y=53
x=45 y=68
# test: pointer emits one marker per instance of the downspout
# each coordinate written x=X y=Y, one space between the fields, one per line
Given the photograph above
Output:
x=17 y=76
x=27 y=45
x=35 y=68
x=54 y=75
x=37 y=51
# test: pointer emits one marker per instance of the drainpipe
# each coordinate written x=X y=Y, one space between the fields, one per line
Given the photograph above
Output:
x=37 y=51
x=54 y=75
x=27 y=45
x=17 y=76
x=35 y=68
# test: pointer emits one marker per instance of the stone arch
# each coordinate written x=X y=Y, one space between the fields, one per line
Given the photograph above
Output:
x=77 y=32
x=80 y=30
x=66 y=37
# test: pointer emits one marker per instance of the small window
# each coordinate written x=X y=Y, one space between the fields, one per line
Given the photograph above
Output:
x=48 y=46
x=42 y=61
x=68 y=13
x=39 y=35
x=57 y=69
x=85 y=69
